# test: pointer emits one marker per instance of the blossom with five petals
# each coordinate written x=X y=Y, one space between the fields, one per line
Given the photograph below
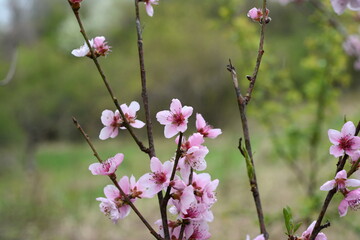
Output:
x=341 y=182
x=345 y=142
x=176 y=119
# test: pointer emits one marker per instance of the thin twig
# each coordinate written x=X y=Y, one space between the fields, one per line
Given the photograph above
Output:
x=331 y=193
x=253 y=182
x=144 y=94
x=113 y=179
x=258 y=59
x=108 y=87
x=177 y=157
x=145 y=99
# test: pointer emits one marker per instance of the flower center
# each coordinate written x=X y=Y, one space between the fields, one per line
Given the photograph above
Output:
x=178 y=119
x=346 y=142
x=159 y=177
x=354 y=204
x=106 y=166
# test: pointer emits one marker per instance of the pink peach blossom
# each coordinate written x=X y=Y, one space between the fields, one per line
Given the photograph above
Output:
x=154 y=182
x=341 y=182
x=107 y=167
x=100 y=46
x=352 y=200
x=176 y=119
x=112 y=121
x=256 y=14
x=130 y=114
x=344 y=142
x=114 y=205
x=204 y=129
x=204 y=188
x=307 y=233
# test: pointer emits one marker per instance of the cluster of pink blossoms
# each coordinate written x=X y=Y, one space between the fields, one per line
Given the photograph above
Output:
x=191 y=194
x=99 y=46
x=345 y=142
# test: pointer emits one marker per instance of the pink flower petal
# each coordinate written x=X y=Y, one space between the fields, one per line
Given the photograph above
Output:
x=354 y=5
x=163 y=117
x=334 y=136
x=106 y=132
x=149 y=9
x=343 y=207
x=155 y=165
x=107 y=117
x=339 y=6
x=134 y=106
x=200 y=121
x=356 y=143
x=329 y=185
x=353 y=183
x=118 y=159
x=182 y=127
x=348 y=129
x=336 y=151
x=187 y=111
x=95 y=168
x=213 y=133
x=175 y=106
x=170 y=130
x=111 y=192
x=137 y=124
x=260 y=237
x=341 y=175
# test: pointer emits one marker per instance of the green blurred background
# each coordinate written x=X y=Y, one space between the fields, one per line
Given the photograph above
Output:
x=306 y=85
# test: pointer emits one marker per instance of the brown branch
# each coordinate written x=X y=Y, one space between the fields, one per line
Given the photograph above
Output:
x=331 y=193
x=252 y=180
x=108 y=87
x=253 y=77
x=143 y=80
x=113 y=179
x=177 y=157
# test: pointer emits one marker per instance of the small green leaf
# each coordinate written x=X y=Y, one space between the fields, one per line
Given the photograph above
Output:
x=297 y=227
x=287 y=218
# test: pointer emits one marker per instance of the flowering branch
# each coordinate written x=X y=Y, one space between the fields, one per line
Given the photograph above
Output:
x=332 y=192
x=108 y=87
x=113 y=179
